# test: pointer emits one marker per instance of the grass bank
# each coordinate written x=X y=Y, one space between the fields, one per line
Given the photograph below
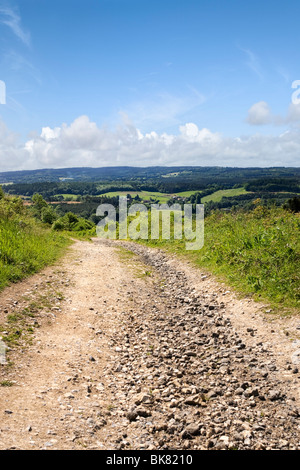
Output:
x=256 y=252
x=26 y=245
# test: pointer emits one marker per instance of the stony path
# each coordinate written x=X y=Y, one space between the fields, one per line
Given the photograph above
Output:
x=144 y=352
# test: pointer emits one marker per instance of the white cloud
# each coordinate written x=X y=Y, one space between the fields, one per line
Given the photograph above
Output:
x=293 y=114
x=83 y=143
x=48 y=134
x=191 y=133
x=12 y=153
x=12 y=19
x=259 y=114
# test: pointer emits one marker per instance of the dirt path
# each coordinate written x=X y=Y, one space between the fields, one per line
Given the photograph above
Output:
x=141 y=351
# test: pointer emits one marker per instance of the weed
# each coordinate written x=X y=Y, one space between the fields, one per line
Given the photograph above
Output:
x=6 y=383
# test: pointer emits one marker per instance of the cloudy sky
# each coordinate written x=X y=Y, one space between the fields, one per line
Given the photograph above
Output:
x=149 y=82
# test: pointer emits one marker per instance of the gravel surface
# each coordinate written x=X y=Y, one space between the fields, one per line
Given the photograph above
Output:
x=144 y=352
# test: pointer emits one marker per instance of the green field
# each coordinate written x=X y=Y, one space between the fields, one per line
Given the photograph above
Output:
x=217 y=196
x=69 y=197
x=186 y=193
x=144 y=195
x=164 y=198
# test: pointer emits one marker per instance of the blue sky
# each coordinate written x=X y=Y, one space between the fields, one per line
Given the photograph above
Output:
x=140 y=82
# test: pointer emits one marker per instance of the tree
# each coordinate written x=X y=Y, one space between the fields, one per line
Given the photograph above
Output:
x=293 y=204
x=48 y=215
x=38 y=205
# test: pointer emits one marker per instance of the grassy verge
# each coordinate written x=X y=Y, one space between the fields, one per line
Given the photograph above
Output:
x=256 y=252
x=26 y=246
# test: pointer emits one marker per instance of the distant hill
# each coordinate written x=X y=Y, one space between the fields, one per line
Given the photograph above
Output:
x=128 y=173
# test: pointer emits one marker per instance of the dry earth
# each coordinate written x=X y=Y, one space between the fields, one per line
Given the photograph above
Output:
x=139 y=350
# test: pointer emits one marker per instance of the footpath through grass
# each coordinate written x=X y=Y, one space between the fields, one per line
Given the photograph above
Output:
x=256 y=252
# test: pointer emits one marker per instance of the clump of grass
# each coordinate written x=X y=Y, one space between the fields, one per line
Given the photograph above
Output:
x=20 y=324
x=6 y=383
x=144 y=274
x=138 y=268
x=125 y=255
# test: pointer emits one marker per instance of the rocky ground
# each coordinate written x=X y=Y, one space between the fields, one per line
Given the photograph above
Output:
x=144 y=352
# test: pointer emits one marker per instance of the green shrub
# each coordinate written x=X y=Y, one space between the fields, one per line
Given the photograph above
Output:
x=72 y=223
x=48 y=215
x=59 y=225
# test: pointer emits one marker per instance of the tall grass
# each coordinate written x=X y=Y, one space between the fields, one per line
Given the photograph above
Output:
x=257 y=252
x=26 y=245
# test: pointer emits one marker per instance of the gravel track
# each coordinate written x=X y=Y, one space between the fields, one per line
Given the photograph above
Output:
x=146 y=352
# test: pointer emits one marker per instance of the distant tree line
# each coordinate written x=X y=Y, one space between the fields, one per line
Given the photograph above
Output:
x=127 y=173
x=50 y=190
x=274 y=185
x=246 y=201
